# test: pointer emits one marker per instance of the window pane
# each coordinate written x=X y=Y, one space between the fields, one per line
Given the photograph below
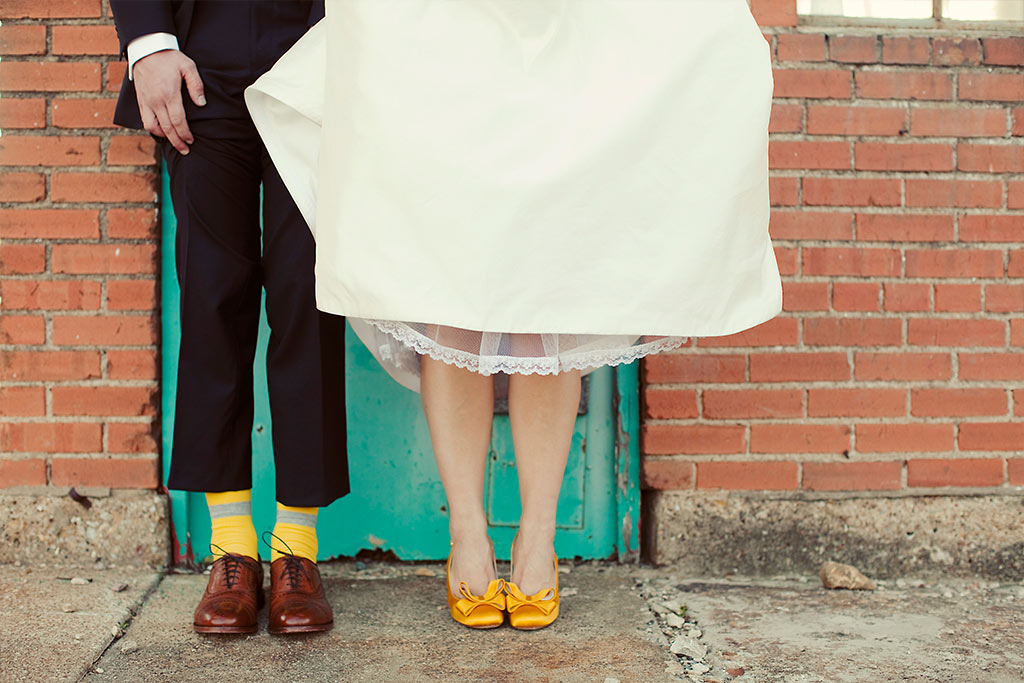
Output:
x=882 y=9
x=983 y=10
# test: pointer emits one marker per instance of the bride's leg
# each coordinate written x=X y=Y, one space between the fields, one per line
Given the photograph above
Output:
x=459 y=405
x=542 y=410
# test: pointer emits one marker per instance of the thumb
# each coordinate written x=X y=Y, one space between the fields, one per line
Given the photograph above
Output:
x=194 y=84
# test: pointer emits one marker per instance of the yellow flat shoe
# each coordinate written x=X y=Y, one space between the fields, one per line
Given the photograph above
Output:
x=531 y=612
x=476 y=611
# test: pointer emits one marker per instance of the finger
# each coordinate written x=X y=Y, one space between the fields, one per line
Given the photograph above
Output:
x=170 y=132
x=194 y=84
x=150 y=123
x=176 y=114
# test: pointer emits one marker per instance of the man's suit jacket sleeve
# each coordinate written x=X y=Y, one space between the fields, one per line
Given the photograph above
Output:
x=135 y=18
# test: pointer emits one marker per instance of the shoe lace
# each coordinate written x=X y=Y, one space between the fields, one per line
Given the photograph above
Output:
x=293 y=567
x=232 y=565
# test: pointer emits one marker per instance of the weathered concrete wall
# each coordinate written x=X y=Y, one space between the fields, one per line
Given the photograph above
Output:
x=886 y=537
x=119 y=529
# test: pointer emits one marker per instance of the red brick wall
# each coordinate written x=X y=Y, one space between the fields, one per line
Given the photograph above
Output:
x=78 y=258
x=897 y=173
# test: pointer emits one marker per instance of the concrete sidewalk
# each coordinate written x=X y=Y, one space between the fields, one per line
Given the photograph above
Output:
x=621 y=623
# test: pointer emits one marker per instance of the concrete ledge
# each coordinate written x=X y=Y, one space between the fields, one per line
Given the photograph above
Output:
x=128 y=529
x=886 y=537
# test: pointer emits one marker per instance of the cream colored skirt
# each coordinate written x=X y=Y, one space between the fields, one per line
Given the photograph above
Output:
x=530 y=186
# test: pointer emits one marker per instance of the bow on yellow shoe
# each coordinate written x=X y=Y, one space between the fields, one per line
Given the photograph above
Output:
x=531 y=612
x=476 y=611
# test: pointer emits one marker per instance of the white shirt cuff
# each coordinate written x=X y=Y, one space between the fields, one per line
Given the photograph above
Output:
x=143 y=46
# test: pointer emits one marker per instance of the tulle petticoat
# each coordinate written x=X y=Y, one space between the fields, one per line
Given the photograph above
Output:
x=399 y=345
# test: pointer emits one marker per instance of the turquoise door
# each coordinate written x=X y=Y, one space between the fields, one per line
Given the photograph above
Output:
x=397 y=503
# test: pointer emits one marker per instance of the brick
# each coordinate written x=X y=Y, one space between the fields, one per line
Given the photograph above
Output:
x=853 y=49
x=987 y=228
x=851 y=192
x=1016 y=267
x=797 y=438
x=118 y=473
x=904 y=85
x=906 y=296
x=22 y=329
x=103 y=187
x=131 y=295
x=784 y=191
x=774 y=12
x=49 y=224
x=902 y=366
x=883 y=156
x=49 y=76
x=854 y=120
x=674 y=367
x=1015 y=194
x=958 y=122
x=799 y=367
x=964 y=472
x=989 y=87
x=856 y=296
x=752 y=403
x=905 y=50
x=113 y=330
x=813 y=83
x=51 y=9
x=22 y=187
x=860 y=261
x=957 y=298
x=84 y=40
x=104 y=258
x=775 y=332
x=877 y=227
x=933 y=192
x=957 y=402
x=131 y=437
x=662 y=404
x=1004 y=298
x=801 y=47
x=786 y=118
x=990 y=158
x=132 y=224
x=956 y=51
x=664 y=439
x=22 y=401
x=45 y=366
x=31 y=472
x=852 y=332
x=748 y=476
x=115 y=75
x=17 y=259
x=805 y=296
x=104 y=401
x=1015 y=471
x=81 y=112
x=131 y=150
x=808 y=155
x=22 y=112
x=954 y=263
x=22 y=40
x=955 y=332
x=1017 y=332
x=38 y=150
x=856 y=402
x=1017 y=127
x=61 y=295
x=999 y=367
x=51 y=437
x=788 y=260
x=852 y=476
x=904 y=438
x=1003 y=51
x=810 y=225
x=664 y=474
x=131 y=364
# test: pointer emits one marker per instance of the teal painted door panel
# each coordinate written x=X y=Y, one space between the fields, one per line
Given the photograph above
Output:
x=397 y=501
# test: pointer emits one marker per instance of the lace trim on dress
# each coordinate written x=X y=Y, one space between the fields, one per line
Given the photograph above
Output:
x=545 y=365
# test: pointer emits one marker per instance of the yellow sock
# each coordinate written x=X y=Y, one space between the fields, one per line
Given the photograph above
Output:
x=295 y=533
x=231 y=519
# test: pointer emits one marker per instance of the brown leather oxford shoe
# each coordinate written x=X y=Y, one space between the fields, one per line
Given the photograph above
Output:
x=233 y=597
x=298 y=603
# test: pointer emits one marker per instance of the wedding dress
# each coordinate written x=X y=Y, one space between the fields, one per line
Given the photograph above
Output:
x=530 y=186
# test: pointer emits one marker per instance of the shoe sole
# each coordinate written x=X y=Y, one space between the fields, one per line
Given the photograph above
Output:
x=314 y=628
x=227 y=630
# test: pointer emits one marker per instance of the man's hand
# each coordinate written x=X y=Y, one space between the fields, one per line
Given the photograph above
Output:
x=158 y=85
